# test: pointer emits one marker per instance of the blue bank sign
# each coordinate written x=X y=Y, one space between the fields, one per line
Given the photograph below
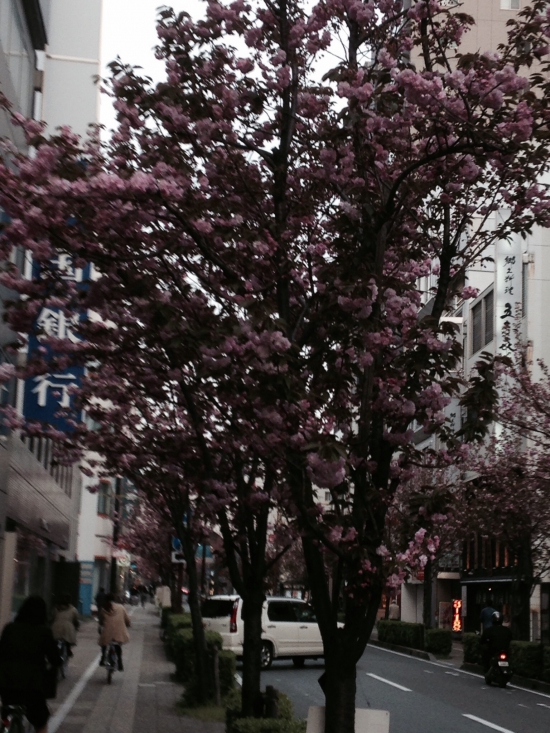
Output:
x=48 y=397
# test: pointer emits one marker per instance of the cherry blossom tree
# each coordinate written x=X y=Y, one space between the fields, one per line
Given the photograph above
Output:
x=260 y=221
x=148 y=536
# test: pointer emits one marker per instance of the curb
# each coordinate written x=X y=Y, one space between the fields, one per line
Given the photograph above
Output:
x=404 y=650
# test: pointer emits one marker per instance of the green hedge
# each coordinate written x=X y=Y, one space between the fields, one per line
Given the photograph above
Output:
x=233 y=720
x=268 y=725
x=526 y=659
x=401 y=633
x=439 y=641
x=472 y=648
x=175 y=622
x=183 y=649
x=228 y=669
x=546 y=663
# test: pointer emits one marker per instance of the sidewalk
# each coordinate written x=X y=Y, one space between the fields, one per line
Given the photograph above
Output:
x=142 y=698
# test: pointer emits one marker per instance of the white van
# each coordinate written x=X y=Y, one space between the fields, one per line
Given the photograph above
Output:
x=289 y=628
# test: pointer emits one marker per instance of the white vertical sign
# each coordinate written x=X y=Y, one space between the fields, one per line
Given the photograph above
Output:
x=508 y=285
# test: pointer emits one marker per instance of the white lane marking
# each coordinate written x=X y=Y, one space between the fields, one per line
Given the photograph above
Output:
x=462 y=671
x=56 y=720
x=428 y=671
x=453 y=674
x=488 y=724
x=521 y=705
x=388 y=682
x=542 y=705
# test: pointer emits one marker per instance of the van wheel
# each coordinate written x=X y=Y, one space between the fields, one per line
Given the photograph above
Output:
x=298 y=662
x=267 y=655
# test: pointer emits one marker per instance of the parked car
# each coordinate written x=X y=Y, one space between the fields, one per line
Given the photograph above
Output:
x=289 y=628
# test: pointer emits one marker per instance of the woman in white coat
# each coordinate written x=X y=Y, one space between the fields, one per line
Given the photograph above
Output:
x=114 y=627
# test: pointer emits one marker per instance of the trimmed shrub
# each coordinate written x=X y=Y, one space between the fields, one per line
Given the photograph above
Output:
x=401 y=633
x=546 y=663
x=228 y=668
x=175 y=622
x=472 y=648
x=233 y=705
x=268 y=725
x=526 y=659
x=183 y=650
x=439 y=641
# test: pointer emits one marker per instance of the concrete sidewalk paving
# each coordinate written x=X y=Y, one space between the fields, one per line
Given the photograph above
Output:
x=142 y=698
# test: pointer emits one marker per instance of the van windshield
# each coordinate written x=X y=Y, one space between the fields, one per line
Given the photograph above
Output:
x=217 y=607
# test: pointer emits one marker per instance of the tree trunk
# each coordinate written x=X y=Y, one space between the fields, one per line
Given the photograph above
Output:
x=252 y=649
x=176 y=591
x=340 y=688
x=199 y=637
x=428 y=594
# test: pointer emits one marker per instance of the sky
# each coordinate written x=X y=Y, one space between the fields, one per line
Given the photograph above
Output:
x=129 y=32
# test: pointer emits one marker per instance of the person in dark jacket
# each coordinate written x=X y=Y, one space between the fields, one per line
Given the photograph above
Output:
x=26 y=646
x=495 y=639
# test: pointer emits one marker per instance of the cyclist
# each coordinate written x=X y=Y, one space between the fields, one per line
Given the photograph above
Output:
x=26 y=646
x=114 y=622
x=65 y=622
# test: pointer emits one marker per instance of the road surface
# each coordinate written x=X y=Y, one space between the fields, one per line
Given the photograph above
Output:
x=422 y=697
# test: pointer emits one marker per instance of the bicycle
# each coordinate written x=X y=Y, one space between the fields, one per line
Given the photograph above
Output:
x=13 y=719
x=111 y=659
x=63 y=649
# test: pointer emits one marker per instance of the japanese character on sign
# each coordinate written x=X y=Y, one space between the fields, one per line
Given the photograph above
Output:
x=55 y=323
x=507 y=311
x=46 y=382
x=65 y=265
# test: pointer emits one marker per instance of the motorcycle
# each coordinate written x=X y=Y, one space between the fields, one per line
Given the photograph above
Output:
x=499 y=670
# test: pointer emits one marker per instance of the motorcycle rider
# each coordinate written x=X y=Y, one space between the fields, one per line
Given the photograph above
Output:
x=495 y=639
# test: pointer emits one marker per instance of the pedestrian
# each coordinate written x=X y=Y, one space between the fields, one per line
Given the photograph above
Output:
x=394 y=612
x=27 y=647
x=65 y=622
x=100 y=599
x=486 y=617
x=143 y=594
x=114 y=623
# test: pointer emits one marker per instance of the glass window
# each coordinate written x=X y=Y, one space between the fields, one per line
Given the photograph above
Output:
x=524 y=281
x=477 y=326
x=509 y=4
x=281 y=611
x=217 y=608
x=482 y=316
x=104 y=499
x=488 y=308
x=19 y=53
x=305 y=612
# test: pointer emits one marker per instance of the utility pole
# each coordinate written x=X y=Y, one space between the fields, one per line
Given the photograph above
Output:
x=116 y=530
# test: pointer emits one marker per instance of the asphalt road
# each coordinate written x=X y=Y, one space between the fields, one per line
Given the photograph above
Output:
x=422 y=697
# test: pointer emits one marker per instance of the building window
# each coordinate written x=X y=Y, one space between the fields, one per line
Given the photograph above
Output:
x=509 y=4
x=482 y=316
x=104 y=499
x=524 y=282
x=19 y=53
